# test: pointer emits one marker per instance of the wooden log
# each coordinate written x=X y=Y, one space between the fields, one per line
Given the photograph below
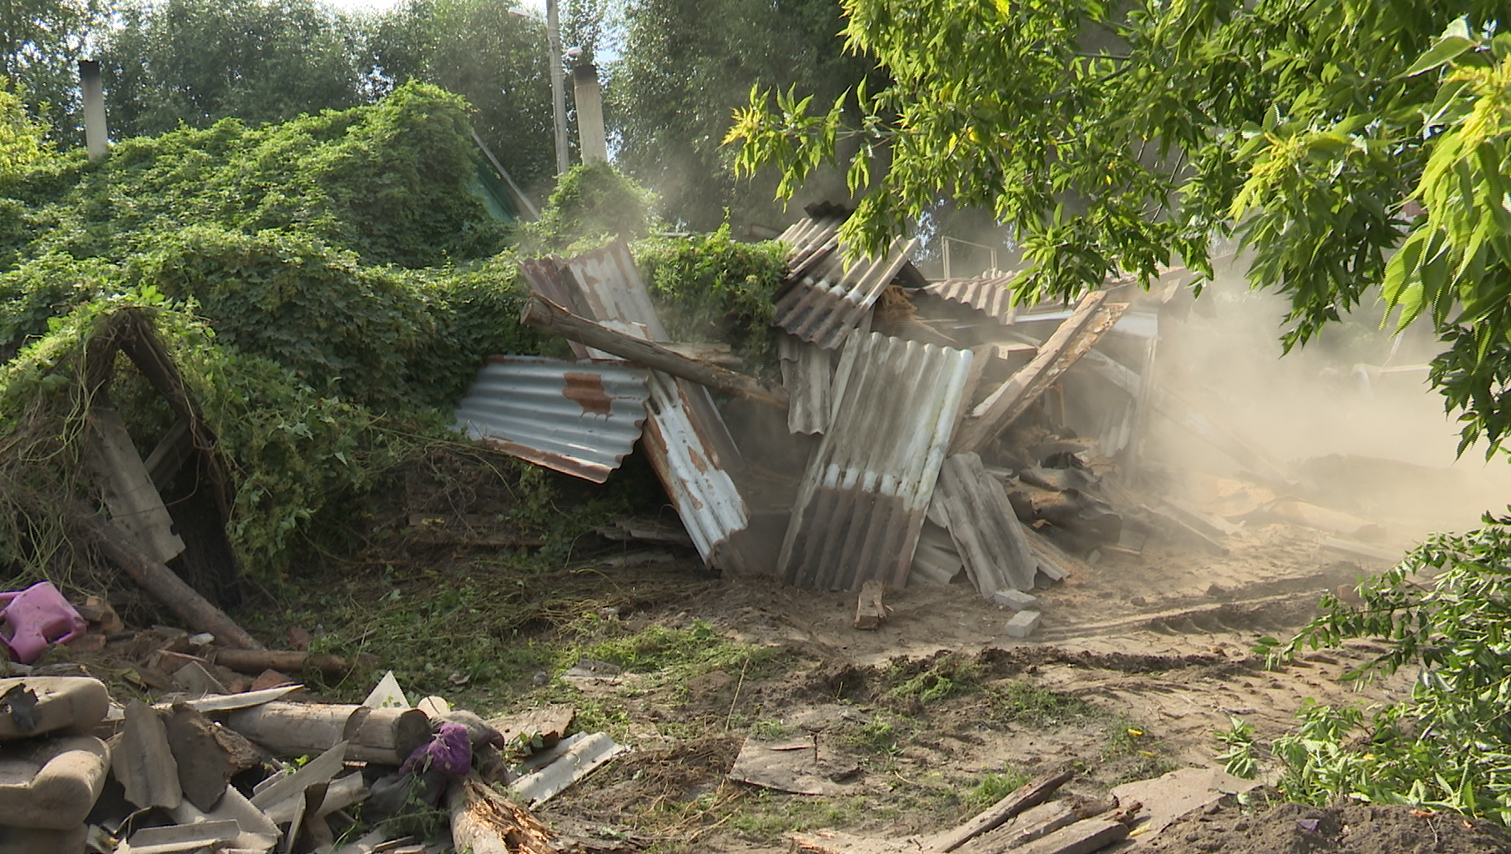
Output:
x=485 y=822
x=382 y=736
x=870 y=612
x=547 y=316
x=1080 y=332
x=165 y=585
x=255 y=661
x=1030 y=794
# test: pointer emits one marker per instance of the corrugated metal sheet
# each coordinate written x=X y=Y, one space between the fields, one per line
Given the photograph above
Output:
x=808 y=375
x=581 y=417
x=823 y=297
x=866 y=489
x=935 y=560
x=989 y=294
x=983 y=526
x=687 y=440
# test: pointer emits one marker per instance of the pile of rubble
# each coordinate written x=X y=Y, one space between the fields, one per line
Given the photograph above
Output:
x=920 y=430
x=264 y=770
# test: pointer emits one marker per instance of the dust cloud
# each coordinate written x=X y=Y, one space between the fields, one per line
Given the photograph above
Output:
x=1352 y=412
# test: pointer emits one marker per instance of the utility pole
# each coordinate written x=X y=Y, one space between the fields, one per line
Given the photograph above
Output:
x=558 y=85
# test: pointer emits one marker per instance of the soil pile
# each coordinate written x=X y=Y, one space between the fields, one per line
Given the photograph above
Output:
x=1299 y=829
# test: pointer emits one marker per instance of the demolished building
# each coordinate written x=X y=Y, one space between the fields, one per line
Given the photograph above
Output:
x=905 y=423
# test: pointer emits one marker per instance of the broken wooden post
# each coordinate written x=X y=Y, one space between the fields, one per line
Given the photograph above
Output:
x=164 y=584
x=547 y=316
x=485 y=822
x=1080 y=332
x=382 y=736
x=870 y=613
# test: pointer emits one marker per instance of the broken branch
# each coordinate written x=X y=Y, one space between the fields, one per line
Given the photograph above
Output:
x=547 y=316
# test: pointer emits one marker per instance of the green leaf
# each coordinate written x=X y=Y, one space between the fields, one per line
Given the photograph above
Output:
x=1443 y=52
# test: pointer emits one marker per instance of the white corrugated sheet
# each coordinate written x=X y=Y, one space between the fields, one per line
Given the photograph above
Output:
x=808 y=375
x=824 y=297
x=864 y=494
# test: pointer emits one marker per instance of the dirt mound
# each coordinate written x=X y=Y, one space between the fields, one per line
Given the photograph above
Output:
x=1298 y=829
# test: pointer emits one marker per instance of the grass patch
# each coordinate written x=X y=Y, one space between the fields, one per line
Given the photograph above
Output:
x=1022 y=702
x=993 y=788
x=765 y=816
x=942 y=678
x=677 y=654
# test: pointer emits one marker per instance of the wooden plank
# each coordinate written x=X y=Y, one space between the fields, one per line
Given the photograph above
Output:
x=1037 y=823
x=133 y=500
x=1083 y=837
x=541 y=313
x=1080 y=332
x=1030 y=794
x=870 y=612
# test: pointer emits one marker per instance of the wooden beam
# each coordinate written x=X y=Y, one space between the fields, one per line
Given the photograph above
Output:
x=1030 y=794
x=164 y=584
x=1093 y=317
x=541 y=313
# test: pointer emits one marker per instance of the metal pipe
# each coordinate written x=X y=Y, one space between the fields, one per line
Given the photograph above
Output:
x=558 y=85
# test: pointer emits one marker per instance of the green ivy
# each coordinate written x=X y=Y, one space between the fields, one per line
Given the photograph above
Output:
x=388 y=182
x=590 y=205
x=708 y=287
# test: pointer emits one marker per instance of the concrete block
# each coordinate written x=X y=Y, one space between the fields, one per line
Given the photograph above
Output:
x=1014 y=599
x=1022 y=624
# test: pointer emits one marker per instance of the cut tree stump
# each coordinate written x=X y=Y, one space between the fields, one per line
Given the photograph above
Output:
x=485 y=822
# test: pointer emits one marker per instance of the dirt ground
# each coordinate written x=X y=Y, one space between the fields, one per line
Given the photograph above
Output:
x=1140 y=661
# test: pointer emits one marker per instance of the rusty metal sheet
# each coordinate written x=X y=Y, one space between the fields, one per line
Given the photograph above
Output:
x=823 y=297
x=866 y=489
x=581 y=417
x=686 y=438
x=808 y=375
x=983 y=526
x=989 y=294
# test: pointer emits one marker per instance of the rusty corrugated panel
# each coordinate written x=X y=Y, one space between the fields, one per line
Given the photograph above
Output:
x=580 y=417
x=822 y=296
x=609 y=285
x=808 y=375
x=867 y=487
x=989 y=294
x=686 y=439
x=983 y=526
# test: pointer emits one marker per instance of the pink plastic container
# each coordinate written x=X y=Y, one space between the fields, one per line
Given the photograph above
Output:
x=36 y=617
